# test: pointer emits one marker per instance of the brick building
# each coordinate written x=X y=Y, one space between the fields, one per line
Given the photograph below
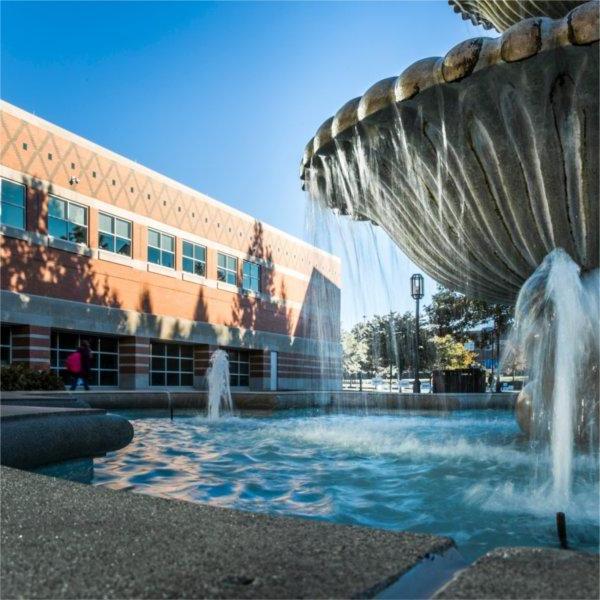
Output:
x=154 y=274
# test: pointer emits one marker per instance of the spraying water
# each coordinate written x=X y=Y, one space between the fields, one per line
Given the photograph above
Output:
x=556 y=328
x=219 y=392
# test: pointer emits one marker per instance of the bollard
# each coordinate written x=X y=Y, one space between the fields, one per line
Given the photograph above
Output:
x=561 y=528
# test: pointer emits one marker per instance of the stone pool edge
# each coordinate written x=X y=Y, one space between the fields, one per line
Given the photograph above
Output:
x=270 y=401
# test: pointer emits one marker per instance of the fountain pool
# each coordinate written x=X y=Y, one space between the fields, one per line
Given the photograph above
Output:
x=470 y=475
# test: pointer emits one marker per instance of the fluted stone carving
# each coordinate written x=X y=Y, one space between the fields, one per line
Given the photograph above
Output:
x=486 y=159
x=502 y=14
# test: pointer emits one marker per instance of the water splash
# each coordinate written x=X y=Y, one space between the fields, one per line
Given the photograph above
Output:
x=556 y=327
x=219 y=392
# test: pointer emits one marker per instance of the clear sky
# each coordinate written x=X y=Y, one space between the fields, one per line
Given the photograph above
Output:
x=220 y=96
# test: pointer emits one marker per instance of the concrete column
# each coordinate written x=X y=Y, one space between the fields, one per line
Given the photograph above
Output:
x=134 y=363
x=140 y=242
x=31 y=346
x=93 y=218
x=211 y=264
x=202 y=354
x=37 y=208
x=178 y=253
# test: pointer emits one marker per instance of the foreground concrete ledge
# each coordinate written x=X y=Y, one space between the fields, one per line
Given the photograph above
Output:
x=32 y=436
x=528 y=573
x=66 y=540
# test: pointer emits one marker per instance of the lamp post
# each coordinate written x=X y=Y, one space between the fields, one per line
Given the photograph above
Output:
x=417 y=292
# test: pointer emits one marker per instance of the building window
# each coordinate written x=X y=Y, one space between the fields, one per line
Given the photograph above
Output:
x=12 y=207
x=114 y=234
x=239 y=368
x=105 y=356
x=67 y=220
x=5 y=345
x=194 y=259
x=161 y=249
x=251 y=280
x=171 y=364
x=227 y=268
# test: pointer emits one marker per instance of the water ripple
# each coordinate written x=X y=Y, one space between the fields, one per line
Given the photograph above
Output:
x=469 y=475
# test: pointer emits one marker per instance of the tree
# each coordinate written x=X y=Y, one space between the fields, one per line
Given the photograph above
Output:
x=451 y=313
x=451 y=354
x=386 y=343
x=355 y=353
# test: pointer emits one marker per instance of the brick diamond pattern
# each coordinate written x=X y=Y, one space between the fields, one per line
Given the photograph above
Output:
x=166 y=203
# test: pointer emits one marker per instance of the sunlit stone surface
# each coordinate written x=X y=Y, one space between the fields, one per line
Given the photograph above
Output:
x=501 y=14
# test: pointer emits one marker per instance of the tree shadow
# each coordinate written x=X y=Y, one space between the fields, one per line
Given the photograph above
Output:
x=167 y=328
x=267 y=311
x=319 y=324
x=39 y=269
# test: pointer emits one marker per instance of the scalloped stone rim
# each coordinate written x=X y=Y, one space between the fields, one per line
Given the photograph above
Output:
x=500 y=14
x=520 y=42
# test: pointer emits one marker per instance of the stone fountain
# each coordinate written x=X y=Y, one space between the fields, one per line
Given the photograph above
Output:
x=479 y=163
x=482 y=166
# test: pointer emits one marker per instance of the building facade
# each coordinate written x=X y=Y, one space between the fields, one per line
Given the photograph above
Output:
x=153 y=274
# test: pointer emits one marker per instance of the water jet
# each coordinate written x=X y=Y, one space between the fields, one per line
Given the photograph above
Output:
x=219 y=392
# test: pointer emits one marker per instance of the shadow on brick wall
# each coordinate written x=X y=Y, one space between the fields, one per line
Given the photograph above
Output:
x=251 y=314
x=45 y=271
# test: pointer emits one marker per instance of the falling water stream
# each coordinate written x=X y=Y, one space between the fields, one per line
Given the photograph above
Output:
x=557 y=330
x=557 y=308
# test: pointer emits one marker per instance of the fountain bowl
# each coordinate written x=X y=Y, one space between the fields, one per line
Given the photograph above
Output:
x=480 y=163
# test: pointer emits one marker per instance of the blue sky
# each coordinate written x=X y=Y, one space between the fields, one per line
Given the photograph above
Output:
x=220 y=96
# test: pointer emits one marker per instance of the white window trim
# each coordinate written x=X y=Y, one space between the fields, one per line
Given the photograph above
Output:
x=174 y=252
x=247 y=289
x=87 y=221
x=205 y=261
x=237 y=265
x=130 y=238
x=24 y=228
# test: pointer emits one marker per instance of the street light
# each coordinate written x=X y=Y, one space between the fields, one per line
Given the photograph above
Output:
x=417 y=288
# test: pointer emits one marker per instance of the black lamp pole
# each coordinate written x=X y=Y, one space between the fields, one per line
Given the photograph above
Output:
x=417 y=292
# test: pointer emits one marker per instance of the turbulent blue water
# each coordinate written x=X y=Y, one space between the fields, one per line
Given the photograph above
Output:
x=468 y=475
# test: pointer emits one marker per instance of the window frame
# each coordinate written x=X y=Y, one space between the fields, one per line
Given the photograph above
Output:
x=68 y=204
x=167 y=355
x=6 y=328
x=23 y=207
x=251 y=277
x=238 y=357
x=113 y=233
x=193 y=258
x=160 y=248
x=57 y=362
x=223 y=271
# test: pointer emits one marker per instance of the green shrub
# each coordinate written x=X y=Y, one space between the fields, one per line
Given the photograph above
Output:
x=19 y=378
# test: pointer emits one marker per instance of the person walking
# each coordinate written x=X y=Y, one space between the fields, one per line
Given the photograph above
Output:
x=79 y=364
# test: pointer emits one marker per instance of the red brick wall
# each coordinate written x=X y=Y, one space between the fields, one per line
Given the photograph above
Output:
x=42 y=270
